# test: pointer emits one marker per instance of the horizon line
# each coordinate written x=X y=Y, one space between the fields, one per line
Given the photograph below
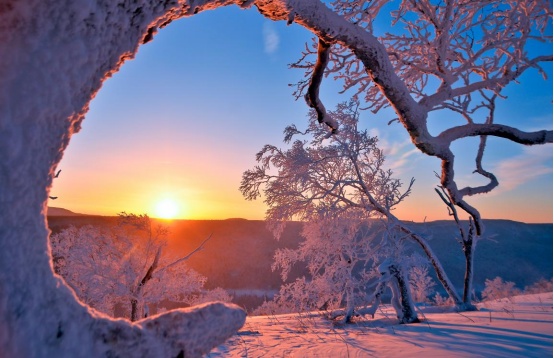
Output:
x=75 y=214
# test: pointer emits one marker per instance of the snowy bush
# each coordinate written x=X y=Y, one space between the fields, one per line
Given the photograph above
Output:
x=542 y=285
x=126 y=265
x=421 y=283
x=217 y=294
x=497 y=288
x=440 y=301
x=269 y=308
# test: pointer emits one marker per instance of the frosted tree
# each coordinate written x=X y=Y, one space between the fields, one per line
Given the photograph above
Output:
x=127 y=265
x=421 y=283
x=337 y=185
x=56 y=55
x=338 y=252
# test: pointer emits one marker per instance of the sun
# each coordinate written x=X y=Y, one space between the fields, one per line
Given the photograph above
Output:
x=167 y=209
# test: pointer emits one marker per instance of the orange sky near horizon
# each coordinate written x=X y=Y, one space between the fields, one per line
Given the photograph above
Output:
x=114 y=188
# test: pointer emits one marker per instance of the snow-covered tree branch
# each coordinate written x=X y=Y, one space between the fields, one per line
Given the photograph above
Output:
x=444 y=55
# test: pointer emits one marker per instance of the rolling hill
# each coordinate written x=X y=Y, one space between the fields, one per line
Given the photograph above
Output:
x=239 y=255
x=54 y=211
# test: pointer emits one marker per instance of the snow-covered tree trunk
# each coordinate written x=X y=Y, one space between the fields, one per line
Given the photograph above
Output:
x=468 y=241
x=349 y=292
x=401 y=296
x=469 y=250
x=376 y=301
x=134 y=309
x=137 y=292
x=54 y=56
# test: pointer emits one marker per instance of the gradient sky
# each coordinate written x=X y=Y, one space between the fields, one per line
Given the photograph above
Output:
x=185 y=118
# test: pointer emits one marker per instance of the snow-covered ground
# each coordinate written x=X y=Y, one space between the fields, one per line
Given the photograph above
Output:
x=517 y=327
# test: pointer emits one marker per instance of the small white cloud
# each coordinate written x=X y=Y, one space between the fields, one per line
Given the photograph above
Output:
x=407 y=158
x=400 y=156
x=271 y=38
x=534 y=162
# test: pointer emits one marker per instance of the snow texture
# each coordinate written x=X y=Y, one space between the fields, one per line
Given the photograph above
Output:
x=54 y=56
x=508 y=328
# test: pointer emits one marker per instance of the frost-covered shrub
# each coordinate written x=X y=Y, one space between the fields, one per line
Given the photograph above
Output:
x=542 y=285
x=421 y=284
x=497 y=288
x=217 y=294
x=441 y=301
x=269 y=308
x=319 y=293
x=126 y=265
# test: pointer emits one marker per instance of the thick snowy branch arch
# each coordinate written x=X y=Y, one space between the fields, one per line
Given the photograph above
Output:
x=55 y=56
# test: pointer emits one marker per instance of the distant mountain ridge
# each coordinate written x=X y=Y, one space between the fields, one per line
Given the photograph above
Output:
x=240 y=252
x=54 y=211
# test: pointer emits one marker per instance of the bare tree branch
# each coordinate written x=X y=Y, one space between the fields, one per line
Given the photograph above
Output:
x=185 y=258
x=312 y=96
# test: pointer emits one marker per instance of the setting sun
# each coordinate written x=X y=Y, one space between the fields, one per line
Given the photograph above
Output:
x=167 y=209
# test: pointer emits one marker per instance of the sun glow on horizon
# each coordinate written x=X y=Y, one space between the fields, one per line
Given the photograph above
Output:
x=167 y=209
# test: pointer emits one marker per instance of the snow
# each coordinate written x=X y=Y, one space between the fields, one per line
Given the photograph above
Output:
x=517 y=327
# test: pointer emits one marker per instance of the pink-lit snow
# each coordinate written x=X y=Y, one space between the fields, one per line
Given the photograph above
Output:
x=517 y=327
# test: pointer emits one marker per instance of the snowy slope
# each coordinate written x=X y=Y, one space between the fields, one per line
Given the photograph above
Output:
x=516 y=327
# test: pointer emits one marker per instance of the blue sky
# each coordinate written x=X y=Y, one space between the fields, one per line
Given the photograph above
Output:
x=185 y=118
